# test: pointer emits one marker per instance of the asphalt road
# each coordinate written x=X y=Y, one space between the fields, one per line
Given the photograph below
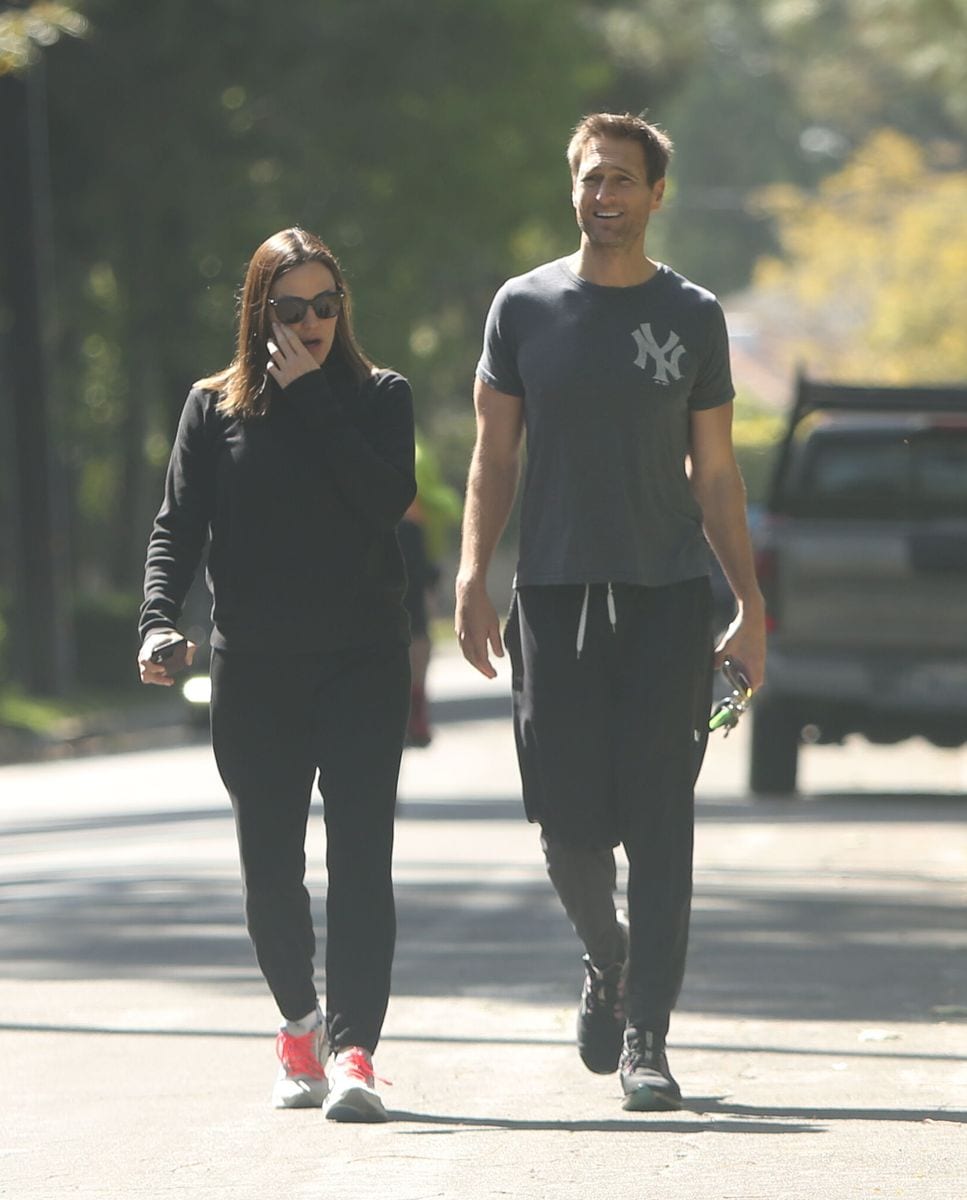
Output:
x=821 y=1039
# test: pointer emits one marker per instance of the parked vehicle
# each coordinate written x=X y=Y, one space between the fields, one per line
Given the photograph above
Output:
x=862 y=557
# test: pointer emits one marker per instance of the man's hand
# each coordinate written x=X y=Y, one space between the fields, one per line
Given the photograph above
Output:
x=478 y=627
x=745 y=642
x=155 y=672
x=289 y=357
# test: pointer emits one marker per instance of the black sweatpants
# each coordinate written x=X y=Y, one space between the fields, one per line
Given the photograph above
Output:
x=277 y=719
x=610 y=742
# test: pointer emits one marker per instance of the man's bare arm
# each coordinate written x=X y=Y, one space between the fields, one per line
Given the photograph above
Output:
x=491 y=485
x=718 y=488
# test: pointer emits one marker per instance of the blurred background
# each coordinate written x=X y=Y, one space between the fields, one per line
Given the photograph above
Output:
x=819 y=187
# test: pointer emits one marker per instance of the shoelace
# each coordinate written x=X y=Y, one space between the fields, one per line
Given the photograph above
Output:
x=298 y=1054
x=598 y=996
x=357 y=1065
x=645 y=1053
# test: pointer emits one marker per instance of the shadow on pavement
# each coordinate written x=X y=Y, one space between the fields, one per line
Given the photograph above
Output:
x=510 y=808
x=834 y=808
x=712 y=1104
x=914 y=1115
x=117 y=821
x=471 y=708
x=758 y=949
x=646 y=1123
x=867 y=945
x=827 y=809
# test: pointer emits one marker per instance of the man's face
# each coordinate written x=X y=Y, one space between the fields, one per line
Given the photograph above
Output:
x=611 y=196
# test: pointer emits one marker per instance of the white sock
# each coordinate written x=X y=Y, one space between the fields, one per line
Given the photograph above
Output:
x=305 y=1024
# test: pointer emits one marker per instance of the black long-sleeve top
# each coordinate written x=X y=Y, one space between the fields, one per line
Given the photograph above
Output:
x=301 y=506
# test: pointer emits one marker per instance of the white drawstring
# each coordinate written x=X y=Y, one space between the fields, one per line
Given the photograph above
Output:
x=583 y=620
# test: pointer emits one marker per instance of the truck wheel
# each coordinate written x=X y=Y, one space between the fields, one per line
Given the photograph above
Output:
x=775 y=749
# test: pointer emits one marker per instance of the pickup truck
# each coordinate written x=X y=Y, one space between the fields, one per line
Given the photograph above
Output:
x=862 y=557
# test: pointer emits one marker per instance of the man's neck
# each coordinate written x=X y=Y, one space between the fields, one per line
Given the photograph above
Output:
x=612 y=267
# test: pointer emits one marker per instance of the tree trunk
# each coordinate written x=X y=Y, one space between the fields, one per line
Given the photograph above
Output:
x=40 y=634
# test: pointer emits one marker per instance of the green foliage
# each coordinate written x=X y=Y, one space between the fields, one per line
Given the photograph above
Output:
x=24 y=30
x=88 y=710
x=106 y=639
x=36 y=714
x=5 y=606
x=107 y=672
x=857 y=252
x=715 y=77
x=761 y=91
x=756 y=431
x=425 y=143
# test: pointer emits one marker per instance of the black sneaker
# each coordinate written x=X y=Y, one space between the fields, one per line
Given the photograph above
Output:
x=646 y=1080
x=601 y=1017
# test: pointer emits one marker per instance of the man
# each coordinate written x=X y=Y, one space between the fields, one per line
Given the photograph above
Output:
x=618 y=368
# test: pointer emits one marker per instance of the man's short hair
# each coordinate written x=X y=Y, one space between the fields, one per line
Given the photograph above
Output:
x=654 y=142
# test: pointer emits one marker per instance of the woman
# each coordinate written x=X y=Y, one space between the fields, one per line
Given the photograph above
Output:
x=297 y=459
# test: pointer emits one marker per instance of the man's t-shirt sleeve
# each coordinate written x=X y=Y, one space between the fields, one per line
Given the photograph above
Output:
x=498 y=362
x=713 y=384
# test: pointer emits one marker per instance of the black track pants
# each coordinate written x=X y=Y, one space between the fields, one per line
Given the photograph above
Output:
x=610 y=743
x=276 y=721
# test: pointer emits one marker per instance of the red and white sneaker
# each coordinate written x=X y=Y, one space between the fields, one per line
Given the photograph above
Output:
x=302 y=1079
x=352 y=1094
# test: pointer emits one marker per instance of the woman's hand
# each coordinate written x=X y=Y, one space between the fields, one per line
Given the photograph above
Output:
x=289 y=359
x=155 y=672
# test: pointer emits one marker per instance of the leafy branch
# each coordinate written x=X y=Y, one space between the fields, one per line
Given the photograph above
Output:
x=25 y=29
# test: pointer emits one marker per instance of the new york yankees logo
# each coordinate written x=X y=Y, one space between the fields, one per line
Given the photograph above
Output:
x=666 y=357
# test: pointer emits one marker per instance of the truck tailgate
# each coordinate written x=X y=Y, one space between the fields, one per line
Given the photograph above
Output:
x=866 y=583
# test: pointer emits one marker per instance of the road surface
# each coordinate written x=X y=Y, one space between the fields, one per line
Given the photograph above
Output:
x=821 y=1038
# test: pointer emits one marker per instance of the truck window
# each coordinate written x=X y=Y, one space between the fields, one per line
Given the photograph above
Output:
x=920 y=474
x=852 y=477
x=939 y=475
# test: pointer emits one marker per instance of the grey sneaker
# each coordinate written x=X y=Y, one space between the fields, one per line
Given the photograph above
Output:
x=601 y=1014
x=301 y=1082
x=353 y=1095
x=601 y=1018
x=646 y=1080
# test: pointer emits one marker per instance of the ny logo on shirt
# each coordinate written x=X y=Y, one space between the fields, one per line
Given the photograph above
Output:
x=666 y=357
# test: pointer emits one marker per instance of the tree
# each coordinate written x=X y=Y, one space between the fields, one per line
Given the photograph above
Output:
x=756 y=92
x=424 y=142
x=40 y=629
x=871 y=279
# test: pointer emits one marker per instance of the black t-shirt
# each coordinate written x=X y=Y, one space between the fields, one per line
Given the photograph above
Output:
x=608 y=376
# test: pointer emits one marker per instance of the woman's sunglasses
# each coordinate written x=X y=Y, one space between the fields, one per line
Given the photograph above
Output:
x=292 y=309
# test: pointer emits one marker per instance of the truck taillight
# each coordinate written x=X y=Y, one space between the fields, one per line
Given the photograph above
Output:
x=767 y=573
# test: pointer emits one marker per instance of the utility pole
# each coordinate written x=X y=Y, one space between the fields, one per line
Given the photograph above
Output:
x=39 y=640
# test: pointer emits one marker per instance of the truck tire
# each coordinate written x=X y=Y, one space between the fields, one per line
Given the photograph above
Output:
x=775 y=749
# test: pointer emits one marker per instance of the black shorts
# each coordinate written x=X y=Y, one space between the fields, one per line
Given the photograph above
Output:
x=610 y=740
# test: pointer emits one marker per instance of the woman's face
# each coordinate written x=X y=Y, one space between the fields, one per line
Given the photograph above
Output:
x=305 y=282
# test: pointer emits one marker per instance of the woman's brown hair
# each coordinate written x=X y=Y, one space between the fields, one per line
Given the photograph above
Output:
x=244 y=389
